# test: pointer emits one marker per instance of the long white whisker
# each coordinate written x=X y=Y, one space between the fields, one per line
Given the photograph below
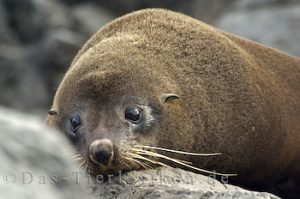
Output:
x=77 y=159
x=154 y=162
x=83 y=162
x=175 y=151
x=136 y=162
x=142 y=158
x=183 y=161
x=183 y=164
x=124 y=163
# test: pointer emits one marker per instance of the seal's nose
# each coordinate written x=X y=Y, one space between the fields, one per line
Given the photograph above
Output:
x=101 y=151
x=102 y=156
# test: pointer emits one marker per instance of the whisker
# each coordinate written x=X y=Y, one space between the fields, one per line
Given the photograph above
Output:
x=150 y=153
x=147 y=165
x=130 y=162
x=76 y=156
x=129 y=167
x=136 y=162
x=176 y=151
x=85 y=167
x=140 y=163
x=77 y=159
x=147 y=159
x=141 y=150
x=124 y=163
x=83 y=162
x=142 y=158
x=155 y=162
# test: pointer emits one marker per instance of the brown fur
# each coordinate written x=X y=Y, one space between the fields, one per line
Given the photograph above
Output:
x=237 y=97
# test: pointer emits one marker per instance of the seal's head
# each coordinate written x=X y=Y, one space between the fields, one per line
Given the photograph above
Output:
x=110 y=104
x=109 y=114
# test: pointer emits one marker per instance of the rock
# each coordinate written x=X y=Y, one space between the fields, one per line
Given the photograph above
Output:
x=36 y=161
x=5 y=32
x=31 y=19
x=255 y=4
x=54 y=55
x=21 y=86
x=171 y=183
x=37 y=47
x=272 y=25
x=124 y=7
x=203 y=10
x=208 y=12
x=90 y=17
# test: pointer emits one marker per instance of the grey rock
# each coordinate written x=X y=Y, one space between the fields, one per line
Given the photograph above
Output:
x=204 y=10
x=171 y=183
x=54 y=55
x=20 y=84
x=36 y=161
x=208 y=12
x=37 y=45
x=31 y=19
x=5 y=32
x=255 y=4
x=274 y=26
x=90 y=17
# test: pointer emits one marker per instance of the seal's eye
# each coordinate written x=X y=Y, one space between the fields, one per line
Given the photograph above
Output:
x=75 y=123
x=72 y=127
x=133 y=114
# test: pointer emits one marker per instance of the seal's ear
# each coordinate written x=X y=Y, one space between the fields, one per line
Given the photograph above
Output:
x=167 y=97
x=52 y=112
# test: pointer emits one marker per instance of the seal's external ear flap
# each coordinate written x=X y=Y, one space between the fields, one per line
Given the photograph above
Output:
x=52 y=112
x=167 y=97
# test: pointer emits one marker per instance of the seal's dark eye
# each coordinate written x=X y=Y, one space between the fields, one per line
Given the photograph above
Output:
x=133 y=114
x=72 y=127
x=75 y=123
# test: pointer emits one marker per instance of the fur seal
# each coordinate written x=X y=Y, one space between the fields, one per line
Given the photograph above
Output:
x=156 y=87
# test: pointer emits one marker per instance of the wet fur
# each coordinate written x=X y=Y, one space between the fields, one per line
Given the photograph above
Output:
x=237 y=97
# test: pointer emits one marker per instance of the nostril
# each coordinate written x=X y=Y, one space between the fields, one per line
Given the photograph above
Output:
x=102 y=156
